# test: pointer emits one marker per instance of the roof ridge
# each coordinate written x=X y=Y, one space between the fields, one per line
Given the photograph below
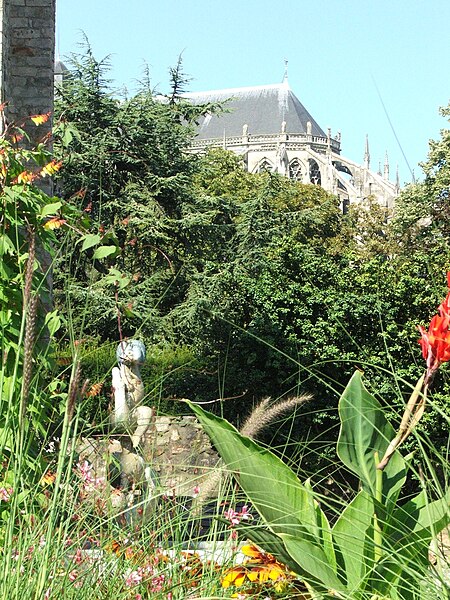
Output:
x=245 y=89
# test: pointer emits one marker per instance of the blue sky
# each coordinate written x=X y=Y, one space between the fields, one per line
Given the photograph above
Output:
x=343 y=55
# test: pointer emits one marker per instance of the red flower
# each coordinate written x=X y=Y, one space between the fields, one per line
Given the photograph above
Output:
x=436 y=341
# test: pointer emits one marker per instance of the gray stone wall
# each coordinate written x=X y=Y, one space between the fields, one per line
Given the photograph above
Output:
x=182 y=455
x=27 y=47
x=177 y=449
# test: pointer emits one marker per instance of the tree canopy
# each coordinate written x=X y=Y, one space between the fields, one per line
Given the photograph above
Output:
x=263 y=279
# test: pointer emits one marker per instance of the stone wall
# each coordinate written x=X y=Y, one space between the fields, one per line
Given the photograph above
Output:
x=182 y=455
x=27 y=47
x=177 y=449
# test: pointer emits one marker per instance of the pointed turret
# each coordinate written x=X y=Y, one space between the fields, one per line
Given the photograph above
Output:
x=285 y=76
x=386 y=167
x=367 y=153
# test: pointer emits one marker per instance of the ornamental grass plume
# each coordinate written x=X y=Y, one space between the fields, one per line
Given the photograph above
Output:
x=435 y=344
x=265 y=413
x=261 y=416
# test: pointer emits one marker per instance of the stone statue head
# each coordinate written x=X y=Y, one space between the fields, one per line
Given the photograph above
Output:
x=130 y=352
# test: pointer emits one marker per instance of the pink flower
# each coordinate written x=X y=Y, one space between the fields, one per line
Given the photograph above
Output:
x=157 y=583
x=85 y=472
x=132 y=578
x=236 y=517
x=245 y=515
x=232 y=516
x=196 y=491
x=5 y=494
x=90 y=483
x=73 y=576
x=78 y=558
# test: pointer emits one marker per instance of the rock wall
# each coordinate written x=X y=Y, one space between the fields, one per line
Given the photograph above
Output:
x=177 y=449
x=182 y=454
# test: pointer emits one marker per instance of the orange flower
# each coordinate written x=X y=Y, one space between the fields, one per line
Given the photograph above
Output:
x=54 y=223
x=94 y=390
x=435 y=342
x=16 y=138
x=234 y=576
x=259 y=568
x=48 y=478
x=26 y=177
x=39 y=119
x=51 y=168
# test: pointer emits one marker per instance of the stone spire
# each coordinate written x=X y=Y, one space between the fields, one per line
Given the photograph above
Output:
x=367 y=153
x=285 y=76
x=397 y=180
x=386 y=166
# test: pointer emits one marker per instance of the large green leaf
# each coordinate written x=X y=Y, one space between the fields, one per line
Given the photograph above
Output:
x=365 y=431
x=312 y=559
x=89 y=240
x=413 y=525
x=321 y=527
x=103 y=252
x=273 y=488
x=353 y=539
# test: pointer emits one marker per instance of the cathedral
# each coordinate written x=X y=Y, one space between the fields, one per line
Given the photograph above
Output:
x=271 y=130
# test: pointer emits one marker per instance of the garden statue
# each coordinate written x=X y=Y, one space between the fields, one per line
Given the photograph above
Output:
x=130 y=415
x=129 y=391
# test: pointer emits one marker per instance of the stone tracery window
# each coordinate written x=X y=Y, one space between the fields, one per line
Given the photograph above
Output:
x=295 y=170
x=314 y=172
x=265 y=165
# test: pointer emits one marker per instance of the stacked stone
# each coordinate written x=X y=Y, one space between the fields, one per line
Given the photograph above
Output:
x=182 y=455
x=27 y=50
x=178 y=451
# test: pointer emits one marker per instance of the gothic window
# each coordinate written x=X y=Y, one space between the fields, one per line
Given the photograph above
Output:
x=314 y=172
x=265 y=165
x=295 y=170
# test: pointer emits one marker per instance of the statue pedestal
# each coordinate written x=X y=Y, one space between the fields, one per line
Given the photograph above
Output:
x=175 y=459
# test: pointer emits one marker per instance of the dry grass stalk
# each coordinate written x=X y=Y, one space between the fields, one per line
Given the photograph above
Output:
x=74 y=391
x=30 y=302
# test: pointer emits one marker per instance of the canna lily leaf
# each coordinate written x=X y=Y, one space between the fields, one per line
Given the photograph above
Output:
x=364 y=431
x=413 y=525
x=272 y=487
x=314 y=562
x=353 y=539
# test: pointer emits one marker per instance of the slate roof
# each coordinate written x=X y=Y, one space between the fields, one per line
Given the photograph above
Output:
x=262 y=108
